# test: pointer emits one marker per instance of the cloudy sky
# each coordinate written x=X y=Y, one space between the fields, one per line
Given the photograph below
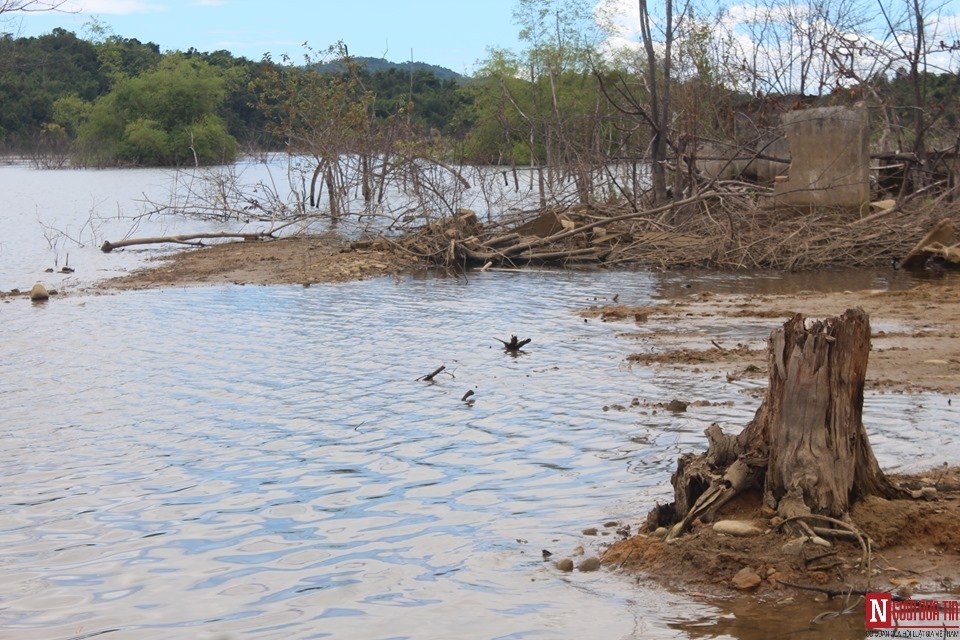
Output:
x=445 y=32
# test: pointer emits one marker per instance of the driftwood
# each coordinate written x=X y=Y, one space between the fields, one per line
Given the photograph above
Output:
x=806 y=448
x=723 y=227
x=108 y=246
x=942 y=235
x=188 y=238
x=430 y=376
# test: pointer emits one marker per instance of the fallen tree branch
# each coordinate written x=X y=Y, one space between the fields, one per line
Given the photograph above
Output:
x=430 y=376
x=108 y=246
x=844 y=527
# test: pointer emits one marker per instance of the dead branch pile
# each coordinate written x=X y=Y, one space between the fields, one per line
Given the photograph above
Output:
x=721 y=229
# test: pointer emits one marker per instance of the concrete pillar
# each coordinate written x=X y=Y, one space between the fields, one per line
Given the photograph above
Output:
x=830 y=158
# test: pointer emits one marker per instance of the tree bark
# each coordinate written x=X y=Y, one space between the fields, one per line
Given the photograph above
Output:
x=818 y=445
x=806 y=447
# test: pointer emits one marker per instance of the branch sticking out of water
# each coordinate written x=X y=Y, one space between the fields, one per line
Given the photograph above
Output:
x=430 y=376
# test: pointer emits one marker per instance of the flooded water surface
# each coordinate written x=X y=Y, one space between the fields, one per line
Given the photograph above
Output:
x=262 y=462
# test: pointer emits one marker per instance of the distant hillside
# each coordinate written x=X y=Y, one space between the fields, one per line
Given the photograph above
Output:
x=374 y=65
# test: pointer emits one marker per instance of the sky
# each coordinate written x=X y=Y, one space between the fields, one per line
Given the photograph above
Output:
x=449 y=33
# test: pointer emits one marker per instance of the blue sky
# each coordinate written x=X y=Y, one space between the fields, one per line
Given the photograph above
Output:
x=445 y=32
x=455 y=34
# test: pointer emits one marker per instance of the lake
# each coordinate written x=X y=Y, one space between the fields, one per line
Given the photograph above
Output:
x=262 y=462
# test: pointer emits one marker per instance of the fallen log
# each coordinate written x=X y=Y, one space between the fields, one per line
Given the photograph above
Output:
x=559 y=254
x=108 y=246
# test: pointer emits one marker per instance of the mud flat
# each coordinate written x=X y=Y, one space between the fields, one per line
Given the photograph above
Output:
x=909 y=545
x=916 y=339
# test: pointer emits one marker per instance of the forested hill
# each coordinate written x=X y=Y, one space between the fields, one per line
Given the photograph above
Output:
x=381 y=65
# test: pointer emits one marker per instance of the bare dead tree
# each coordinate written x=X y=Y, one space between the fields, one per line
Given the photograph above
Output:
x=30 y=6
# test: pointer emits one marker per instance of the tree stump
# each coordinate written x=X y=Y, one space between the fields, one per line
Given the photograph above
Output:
x=806 y=447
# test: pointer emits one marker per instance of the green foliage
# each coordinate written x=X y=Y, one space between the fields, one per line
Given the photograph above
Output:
x=119 y=57
x=168 y=116
x=34 y=72
x=374 y=66
x=70 y=112
x=144 y=141
x=430 y=101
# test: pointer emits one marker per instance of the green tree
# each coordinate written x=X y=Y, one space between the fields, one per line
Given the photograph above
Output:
x=168 y=116
x=35 y=72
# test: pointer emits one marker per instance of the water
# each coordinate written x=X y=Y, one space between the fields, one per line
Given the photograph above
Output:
x=56 y=218
x=261 y=462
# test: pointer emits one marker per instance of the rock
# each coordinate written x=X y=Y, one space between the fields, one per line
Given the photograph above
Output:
x=820 y=542
x=578 y=550
x=926 y=493
x=736 y=528
x=794 y=547
x=677 y=406
x=746 y=579
x=589 y=531
x=565 y=565
x=660 y=532
x=589 y=564
x=39 y=293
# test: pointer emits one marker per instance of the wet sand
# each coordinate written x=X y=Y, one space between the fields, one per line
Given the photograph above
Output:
x=915 y=344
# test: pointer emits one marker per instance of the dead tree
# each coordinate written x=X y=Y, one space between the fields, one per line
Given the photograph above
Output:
x=806 y=448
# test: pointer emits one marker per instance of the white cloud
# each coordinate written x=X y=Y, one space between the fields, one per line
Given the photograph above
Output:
x=620 y=18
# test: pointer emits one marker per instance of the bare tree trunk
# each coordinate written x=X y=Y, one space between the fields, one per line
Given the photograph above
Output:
x=806 y=447
x=332 y=194
x=659 y=89
x=819 y=450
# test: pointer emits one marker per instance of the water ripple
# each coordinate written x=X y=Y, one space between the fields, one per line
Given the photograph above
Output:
x=262 y=461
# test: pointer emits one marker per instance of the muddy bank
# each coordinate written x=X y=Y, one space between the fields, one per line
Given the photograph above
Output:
x=915 y=549
x=915 y=344
x=908 y=545
x=301 y=260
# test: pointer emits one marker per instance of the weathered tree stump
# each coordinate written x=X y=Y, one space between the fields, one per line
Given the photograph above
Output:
x=806 y=447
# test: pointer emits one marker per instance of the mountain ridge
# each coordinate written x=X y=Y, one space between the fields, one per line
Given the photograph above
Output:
x=377 y=65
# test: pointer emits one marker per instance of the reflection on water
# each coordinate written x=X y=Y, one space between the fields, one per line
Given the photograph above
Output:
x=55 y=218
x=261 y=461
